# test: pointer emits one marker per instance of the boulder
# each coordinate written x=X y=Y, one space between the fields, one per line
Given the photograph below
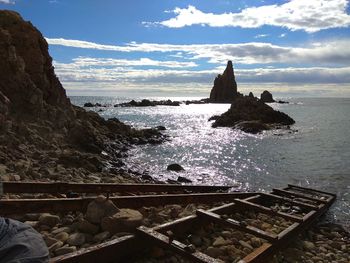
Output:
x=124 y=220
x=225 y=86
x=175 y=167
x=266 y=97
x=100 y=208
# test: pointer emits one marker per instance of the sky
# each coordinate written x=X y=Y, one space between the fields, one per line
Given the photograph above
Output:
x=176 y=48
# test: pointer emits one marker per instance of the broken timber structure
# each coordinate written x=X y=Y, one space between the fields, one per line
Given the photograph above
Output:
x=304 y=206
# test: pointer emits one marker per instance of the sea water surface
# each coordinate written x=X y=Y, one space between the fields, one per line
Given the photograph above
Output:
x=314 y=153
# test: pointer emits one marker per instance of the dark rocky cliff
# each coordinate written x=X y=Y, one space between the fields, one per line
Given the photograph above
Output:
x=38 y=122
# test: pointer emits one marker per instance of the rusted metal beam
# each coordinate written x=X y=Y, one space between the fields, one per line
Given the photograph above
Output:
x=15 y=206
x=310 y=190
x=62 y=187
x=236 y=224
x=266 y=210
x=289 y=200
x=162 y=240
x=304 y=196
x=112 y=251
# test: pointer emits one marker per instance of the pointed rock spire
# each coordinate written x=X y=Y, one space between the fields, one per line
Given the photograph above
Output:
x=225 y=86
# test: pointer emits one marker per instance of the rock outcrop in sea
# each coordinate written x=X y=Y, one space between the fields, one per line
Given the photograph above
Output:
x=225 y=86
x=42 y=135
x=252 y=116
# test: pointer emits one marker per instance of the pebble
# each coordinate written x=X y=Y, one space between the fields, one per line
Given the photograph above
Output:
x=62 y=236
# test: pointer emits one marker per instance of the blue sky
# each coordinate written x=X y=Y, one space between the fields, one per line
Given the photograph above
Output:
x=162 y=47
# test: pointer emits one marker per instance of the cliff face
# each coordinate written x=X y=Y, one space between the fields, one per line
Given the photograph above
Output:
x=27 y=75
x=38 y=122
x=225 y=86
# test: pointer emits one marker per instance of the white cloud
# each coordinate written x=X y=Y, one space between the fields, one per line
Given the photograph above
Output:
x=325 y=53
x=310 y=15
x=282 y=35
x=261 y=35
x=8 y=2
x=79 y=72
x=110 y=62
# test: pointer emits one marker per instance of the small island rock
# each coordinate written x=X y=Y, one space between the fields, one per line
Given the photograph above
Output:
x=266 y=97
x=175 y=167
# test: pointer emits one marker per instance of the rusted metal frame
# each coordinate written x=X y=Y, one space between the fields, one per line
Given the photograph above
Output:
x=288 y=193
x=236 y=224
x=9 y=206
x=289 y=200
x=62 y=187
x=286 y=236
x=162 y=240
x=311 y=190
x=108 y=252
x=127 y=244
x=266 y=210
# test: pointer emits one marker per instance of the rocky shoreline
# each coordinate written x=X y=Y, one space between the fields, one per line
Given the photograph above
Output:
x=43 y=137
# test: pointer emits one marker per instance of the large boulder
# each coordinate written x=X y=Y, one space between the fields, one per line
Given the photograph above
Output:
x=100 y=208
x=266 y=97
x=251 y=115
x=225 y=86
x=124 y=220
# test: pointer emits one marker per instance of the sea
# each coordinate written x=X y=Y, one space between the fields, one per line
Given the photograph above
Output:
x=314 y=153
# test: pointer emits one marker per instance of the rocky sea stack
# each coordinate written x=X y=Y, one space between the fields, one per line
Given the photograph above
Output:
x=42 y=135
x=247 y=113
x=225 y=86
